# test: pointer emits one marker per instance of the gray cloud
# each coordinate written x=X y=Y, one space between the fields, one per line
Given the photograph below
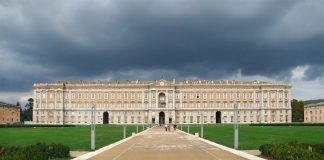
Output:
x=53 y=40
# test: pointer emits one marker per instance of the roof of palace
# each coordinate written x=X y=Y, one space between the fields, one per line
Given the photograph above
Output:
x=2 y=104
x=166 y=82
x=315 y=104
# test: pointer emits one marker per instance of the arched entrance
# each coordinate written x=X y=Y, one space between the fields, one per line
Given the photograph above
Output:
x=218 y=117
x=106 y=118
x=161 y=118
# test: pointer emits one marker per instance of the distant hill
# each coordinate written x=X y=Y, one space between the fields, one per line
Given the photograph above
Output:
x=313 y=101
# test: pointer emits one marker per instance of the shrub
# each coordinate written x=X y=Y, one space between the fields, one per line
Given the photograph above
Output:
x=32 y=125
x=287 y=124
x=37 y=151
x=292 y=151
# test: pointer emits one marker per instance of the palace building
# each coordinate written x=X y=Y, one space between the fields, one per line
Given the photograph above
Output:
x=161 y=101
x=9 y=113
x=314 y=113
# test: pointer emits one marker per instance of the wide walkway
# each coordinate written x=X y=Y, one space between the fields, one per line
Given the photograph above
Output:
x=156 y=144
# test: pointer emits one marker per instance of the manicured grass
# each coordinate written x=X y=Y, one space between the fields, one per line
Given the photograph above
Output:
x=77 y=138
x=251 y=137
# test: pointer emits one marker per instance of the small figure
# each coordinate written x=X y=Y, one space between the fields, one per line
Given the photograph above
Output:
x=166 y=127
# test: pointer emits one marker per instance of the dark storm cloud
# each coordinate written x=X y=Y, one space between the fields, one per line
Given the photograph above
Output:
x=206 y=39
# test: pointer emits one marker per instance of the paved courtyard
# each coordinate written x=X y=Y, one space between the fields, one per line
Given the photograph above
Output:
x=160 y=145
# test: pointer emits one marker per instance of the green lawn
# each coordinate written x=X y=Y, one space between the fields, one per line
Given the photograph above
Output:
x=78 y=138
x=251 y=137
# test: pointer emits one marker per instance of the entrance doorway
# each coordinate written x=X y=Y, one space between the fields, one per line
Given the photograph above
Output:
x=161 y=118
x=218 y=117
x=170 y=120
x=153 y=120
x=106 y=118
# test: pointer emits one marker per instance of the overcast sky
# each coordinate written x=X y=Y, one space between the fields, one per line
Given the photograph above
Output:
x=47 y=41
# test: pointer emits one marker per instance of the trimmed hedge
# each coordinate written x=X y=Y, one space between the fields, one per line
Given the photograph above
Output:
x=39 y=151
x=32 y=125
x=293 y=151
x=287 y=124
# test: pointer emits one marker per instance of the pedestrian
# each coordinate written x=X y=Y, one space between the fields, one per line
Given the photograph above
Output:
x=169 y=127
x=166 y=127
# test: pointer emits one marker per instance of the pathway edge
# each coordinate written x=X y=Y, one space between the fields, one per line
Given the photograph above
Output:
x=231 y=150
x=105 y=148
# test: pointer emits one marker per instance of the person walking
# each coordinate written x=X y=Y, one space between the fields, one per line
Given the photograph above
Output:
x=166 y=127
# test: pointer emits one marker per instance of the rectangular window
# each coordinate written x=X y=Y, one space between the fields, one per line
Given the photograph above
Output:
x=106 y=95
x=112 y=95
x=251 y=95
x=184 y=95
x=92 y=96
x=232 y=96
x=170 y=95
x=146 y=95
x=66 y=95
x=191 y=95
x=139 y=105
x=132 y=95
x=177 y=96
x=119 y=96
x=80 y=96
x=73 y=95
x=139 y=96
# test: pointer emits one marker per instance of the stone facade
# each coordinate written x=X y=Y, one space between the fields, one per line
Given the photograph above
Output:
x=314 y=113
x=161 y=101
x=9 y=113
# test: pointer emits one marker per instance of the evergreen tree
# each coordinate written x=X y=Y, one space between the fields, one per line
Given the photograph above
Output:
x=297 y=110
x=29 y=110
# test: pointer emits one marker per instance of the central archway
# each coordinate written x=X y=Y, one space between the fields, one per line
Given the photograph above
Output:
x=162 y=100
x=161 y=118
x=218 y=117
x=106 y=118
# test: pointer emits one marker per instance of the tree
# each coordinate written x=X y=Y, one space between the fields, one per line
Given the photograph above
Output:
x=21 y=111
x=29 y=109
x=297 y=110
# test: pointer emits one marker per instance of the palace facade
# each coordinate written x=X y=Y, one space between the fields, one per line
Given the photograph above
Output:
x=314 y=113
x=9 y=113
x=161 y=101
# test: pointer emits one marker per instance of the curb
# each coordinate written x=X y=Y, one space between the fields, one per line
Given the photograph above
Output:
x=231 y=150
x=103 y=149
